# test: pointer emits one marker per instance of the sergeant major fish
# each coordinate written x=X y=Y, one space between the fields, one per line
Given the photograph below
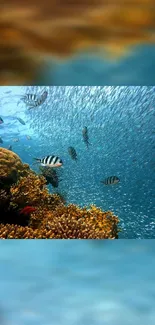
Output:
x=85 y=136
x=50 y=161
x=33 y=100
x=111 y=180
x=72 y=153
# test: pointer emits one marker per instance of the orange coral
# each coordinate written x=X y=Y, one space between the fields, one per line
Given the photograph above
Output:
x=62 y=28
x=68 y=222
x=46 y=214
x=32 y=190
x=73 y=222
x=11 y=167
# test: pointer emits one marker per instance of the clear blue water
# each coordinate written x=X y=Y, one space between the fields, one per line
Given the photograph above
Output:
x=77 y=282
x=121 y=126
x=136 y=68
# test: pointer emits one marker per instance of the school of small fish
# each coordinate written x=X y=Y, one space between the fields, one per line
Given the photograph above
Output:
x=52 y=161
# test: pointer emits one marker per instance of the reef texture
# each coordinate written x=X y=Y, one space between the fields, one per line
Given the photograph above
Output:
x=11 y=168
x=28 y=210
x=32 y=30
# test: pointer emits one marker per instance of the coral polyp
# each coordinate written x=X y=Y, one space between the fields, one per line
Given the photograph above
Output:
x=28 y=210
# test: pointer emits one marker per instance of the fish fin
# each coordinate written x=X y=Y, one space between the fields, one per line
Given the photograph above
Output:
x=89 y=144
x=37 y=161
x=30 y=107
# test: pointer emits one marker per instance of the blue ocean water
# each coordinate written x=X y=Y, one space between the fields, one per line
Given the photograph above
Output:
x=84 y=282
x=121 y=128
x=135 y=68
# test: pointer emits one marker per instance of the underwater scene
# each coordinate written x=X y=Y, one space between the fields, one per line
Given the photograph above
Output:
x=91 y=282
x=77 y=162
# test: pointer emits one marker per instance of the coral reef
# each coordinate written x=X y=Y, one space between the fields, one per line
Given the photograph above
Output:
x=67 y=223
x=50 y=175
x=28 y=210
x=11 y=168
x=62 y=28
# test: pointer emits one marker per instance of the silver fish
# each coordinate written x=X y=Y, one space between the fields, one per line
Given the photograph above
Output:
x=50 y=161
x=111 y=180
x=21 y=121
x=15 y=140
x=85 y=136
x=10 y=147
x=28 y=137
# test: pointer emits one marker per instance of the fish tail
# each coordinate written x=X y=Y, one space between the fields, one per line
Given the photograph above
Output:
x=37 y=160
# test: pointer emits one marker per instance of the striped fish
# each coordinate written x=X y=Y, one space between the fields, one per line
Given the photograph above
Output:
x=29 y=98
x=72 y=153
x=33 y=100
x=49 y=161
x=111 y=180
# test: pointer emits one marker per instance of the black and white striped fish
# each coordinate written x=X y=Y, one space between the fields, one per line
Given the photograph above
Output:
x=33 y=100
x=111 y=180
x=50 y=161
x=72 y=153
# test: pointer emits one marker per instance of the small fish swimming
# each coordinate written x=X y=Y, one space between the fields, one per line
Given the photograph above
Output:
x=1 y=141
x=1 y=120
x=72 y=153
x=15 y=140
x=85 y=136
x=33 y=100
x=21 y=121
x=111 y=180
x=10 y=147
x=27 y=210
x=50 y=161
x=28 y=137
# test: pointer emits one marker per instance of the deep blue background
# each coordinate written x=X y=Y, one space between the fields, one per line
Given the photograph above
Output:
x=121 y=126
